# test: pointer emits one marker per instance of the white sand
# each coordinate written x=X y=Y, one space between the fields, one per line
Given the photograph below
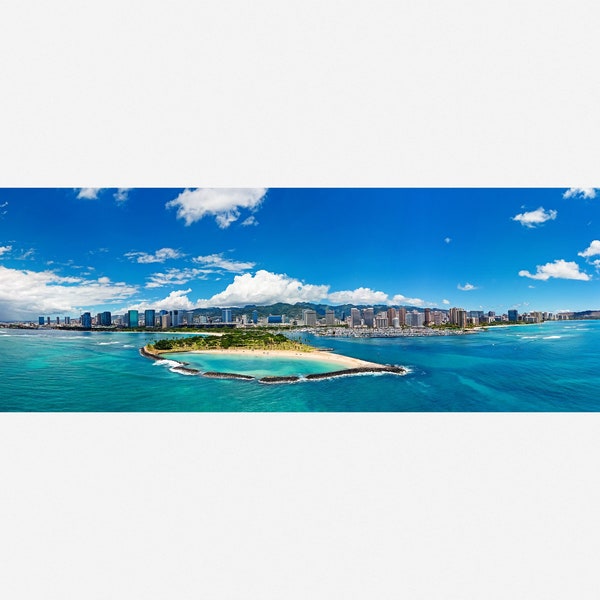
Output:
x=346 y=361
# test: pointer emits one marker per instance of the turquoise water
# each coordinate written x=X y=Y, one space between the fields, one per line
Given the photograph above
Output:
x=549 y=367
x=257 y=366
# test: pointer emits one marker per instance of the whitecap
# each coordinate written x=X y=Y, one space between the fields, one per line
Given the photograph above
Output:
x=128 y=346
x=552 y=337
x=167 y=363
x=178 y=370
x=107 y=343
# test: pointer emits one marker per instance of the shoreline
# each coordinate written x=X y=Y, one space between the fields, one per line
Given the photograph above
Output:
x=323 y=355
x=351 y=366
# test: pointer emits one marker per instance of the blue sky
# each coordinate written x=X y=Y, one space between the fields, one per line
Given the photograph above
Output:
x=63 y=251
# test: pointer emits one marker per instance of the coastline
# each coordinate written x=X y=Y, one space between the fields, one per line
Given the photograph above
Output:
x=351 y=366
x=325 y=356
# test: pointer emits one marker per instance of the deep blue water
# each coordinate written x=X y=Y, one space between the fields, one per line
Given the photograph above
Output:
x=550 y=367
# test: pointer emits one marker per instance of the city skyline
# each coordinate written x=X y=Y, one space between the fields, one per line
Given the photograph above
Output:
x=69 y=251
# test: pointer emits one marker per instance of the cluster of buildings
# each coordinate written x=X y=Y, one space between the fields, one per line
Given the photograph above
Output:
x=358 y=318
x=163 y=319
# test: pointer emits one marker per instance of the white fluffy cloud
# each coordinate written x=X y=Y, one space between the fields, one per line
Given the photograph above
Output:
x=444 y=301
x=447 y=240
x=160 y=256
x=88 y=193
x=592 y=250
x=218 y=262
x=400 y=299
x=24 y=294
x=222 y=203
x=265 y=288
x=580 y=193
x=535 y=217
x=360 y=295
x=559 y=269
x=5 y=249
x=467 y=287
x=176 y=300
x=176 y=277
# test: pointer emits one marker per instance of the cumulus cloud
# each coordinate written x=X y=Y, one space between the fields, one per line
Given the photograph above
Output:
x=176 y=277
x=218 y=262
x=400 y=299
x=580 y=193
x=5 y=249
x=88 y=193
x=444 y=301
x=559 y=269
x=592 y=250
x=24 y=294
x=447 y=240
x=535 y=217
x=160 y=256
x=265 y=287
x=361 y=295
x=223 y=204
x=176 y=300
x=467 y=287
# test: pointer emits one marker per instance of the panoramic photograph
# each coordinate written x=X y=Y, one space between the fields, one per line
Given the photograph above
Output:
x=299 y=299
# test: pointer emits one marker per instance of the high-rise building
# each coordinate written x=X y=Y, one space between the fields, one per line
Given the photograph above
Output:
x=176 y=318
x=226 y=315
x=457 y=316
x=41 y=320
x=391 y=315
x=368 y=317
x=133 y=318
x=86 y=320
x=255 y=316
x=513 y=315
x=415 y=318
x=150 y=317
x=354 y=317
x=67 y=320
x=329 y=318
x=165 y=321
x=47 y=320
x=427 y=317
x=275 y=319
x=402 y=316
x=381 y=320
x=105 y=318
x=309 y=317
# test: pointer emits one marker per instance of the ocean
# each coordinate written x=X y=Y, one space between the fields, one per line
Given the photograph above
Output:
x=553 y=366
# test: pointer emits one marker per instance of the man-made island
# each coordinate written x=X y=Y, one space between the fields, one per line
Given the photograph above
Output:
x=262 y=344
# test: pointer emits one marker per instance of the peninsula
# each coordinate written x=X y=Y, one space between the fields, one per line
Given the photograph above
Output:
x=264 y=344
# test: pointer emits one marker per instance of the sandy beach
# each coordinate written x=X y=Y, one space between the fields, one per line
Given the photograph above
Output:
x=338 y=359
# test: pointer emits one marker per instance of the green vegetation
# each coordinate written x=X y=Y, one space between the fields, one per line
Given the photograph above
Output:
x=247 y=340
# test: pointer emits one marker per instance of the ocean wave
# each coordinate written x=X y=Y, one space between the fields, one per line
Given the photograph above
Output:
x=552 y=337
x=167 y=363
x=107 y=343
x=128 y=346
x=180 y=371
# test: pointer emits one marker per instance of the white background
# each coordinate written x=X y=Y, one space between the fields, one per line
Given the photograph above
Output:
x=304 y=94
